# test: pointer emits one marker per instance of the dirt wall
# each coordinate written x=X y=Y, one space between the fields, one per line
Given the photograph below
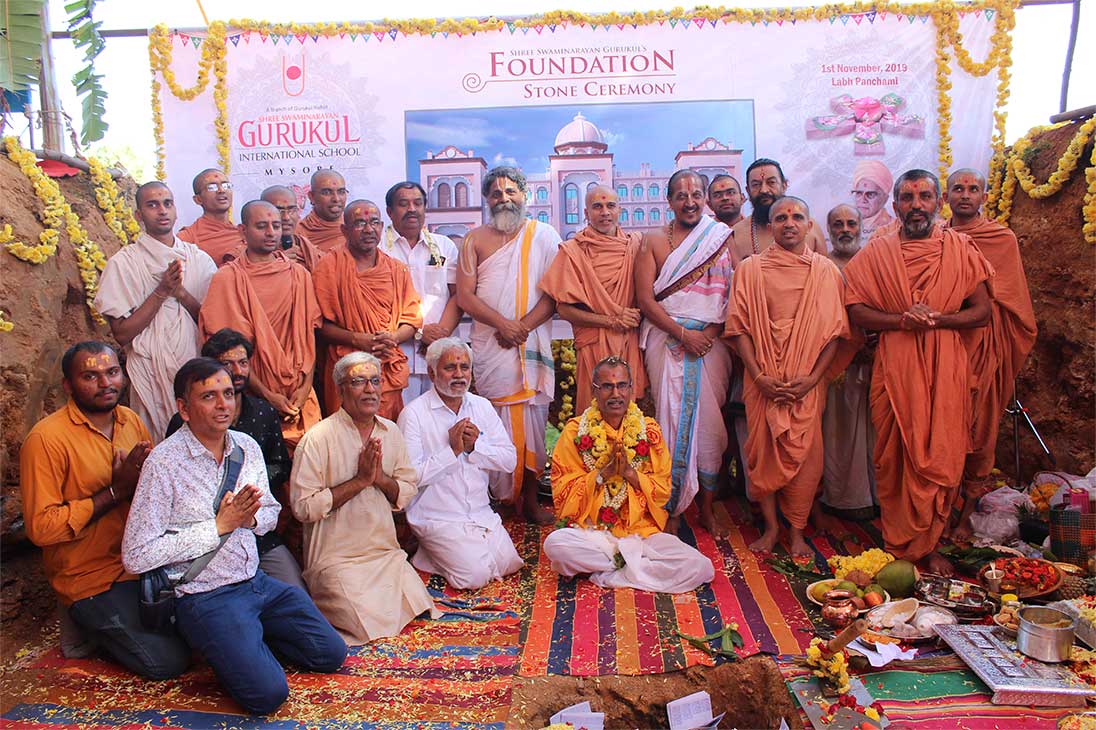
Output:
x=1056 y=386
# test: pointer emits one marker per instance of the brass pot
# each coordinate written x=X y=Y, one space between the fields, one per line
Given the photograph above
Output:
x=838 y=609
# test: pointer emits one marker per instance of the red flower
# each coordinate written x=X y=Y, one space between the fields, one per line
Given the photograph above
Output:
x=608 y=516
x=585 y=443
x=643 y=448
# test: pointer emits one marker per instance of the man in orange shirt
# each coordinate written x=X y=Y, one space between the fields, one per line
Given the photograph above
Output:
x=78 y=468
x=212 y=231
x=369 y=304
x=323 y=224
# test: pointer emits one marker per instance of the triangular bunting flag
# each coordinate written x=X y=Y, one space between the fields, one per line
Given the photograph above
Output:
x=184 y=39
x=924 y=19
x=392 y=33
x=989 y=13
x=779 y=22
x=552 y=28
x=662 y=22
x=315 y=39
x=882 y=16
x=197 y=41
x=511 y=27
x=699 y=22
x=433 y=33
x=235 y=40
x=620 y=26
x=858 y=19
x=353 y=37
x=342 y=35
x=765 y=23
x=712 y=23
x=538 y=28
x=673 y=22
x=289 y=39
x=300 y=37
x=911 y=18
x=844 y=20
x=833 y=19
x=525 y=30
x=445 y=34
x=870 y=17
x=379 y=36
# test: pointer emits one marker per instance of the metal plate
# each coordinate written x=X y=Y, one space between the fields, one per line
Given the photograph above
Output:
x=1014 y=678
x=808 y=692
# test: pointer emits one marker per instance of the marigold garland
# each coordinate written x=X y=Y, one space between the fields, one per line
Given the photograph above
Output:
x=1015 y=172
x=945 y=17
x=89 y=259
x=116 y=212
x=5 y=324
x=592 y=443
x=563 y=352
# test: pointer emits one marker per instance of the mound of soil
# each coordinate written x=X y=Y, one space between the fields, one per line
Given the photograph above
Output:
x=1056 y=386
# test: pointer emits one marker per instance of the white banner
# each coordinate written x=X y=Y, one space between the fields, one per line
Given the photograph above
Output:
x=574 y=104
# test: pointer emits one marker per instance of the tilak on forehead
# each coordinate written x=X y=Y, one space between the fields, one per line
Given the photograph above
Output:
x=102 y=358
x=361 y=369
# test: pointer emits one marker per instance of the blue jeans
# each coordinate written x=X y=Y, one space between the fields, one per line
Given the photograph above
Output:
x=236 y=626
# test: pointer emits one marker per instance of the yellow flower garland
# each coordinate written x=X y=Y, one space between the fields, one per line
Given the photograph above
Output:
x=1015 y=172
x=563 y=352
x=834 y=668
x=5 y=324
x=117 y=214
x=89 y=259
x=945 y=16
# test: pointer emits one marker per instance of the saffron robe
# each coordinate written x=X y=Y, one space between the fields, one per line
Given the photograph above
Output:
x=273 y=304
x=998 y=350
x=378 y=299
x=791 y=307
x=689 y=391
x=653 y=560
x=921 y=380
x=212 y=236
x=171 y=338
x=519 y=381
x=596 y=271
x=324 y=235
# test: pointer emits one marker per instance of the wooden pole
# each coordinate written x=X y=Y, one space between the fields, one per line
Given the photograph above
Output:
x=1069 y=55
x=53 y=128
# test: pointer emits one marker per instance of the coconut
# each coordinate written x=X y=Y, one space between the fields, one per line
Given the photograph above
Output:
x=898 y=578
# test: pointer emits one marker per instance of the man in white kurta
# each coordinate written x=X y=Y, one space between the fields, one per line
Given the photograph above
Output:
x=350 y=471
x=500 y=265
x=683 y=280
x=455 y=440
x=432 y=260
x=150 y=293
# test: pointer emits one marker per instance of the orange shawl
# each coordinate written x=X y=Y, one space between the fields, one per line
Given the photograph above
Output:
x=324 y=235
x=921 y=383
x=379 y=299
x=215 y=238
x=791 y=307
x=596 y=271
x=998 y=350
x=274 y=305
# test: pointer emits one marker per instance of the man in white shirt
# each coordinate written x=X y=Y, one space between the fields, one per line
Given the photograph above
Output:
x=432 y=259
x=454 y=438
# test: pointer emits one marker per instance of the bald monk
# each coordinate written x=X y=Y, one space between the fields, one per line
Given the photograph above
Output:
x=920 y=286
x=785 y=318
x=323 y=224
x=592 y=282
x=765 y=182
x=297 y=248
x=270 y=300
x=212 y=231
x=369 y=303
x=499 y=267
x=151 y=293
x=871 y=188
x=997 y=351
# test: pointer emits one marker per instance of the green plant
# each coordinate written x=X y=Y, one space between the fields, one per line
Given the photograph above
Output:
x=85 y=34
x=20 y=43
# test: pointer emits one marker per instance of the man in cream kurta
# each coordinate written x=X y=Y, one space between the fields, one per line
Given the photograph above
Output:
x=432 y=260
x=353 y=565
x=500 y=265
x=150 y=293
x=455 y=441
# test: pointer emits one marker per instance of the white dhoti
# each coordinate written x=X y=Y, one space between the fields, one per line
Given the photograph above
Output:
x=524 y=423
x=660 y=563
x=468 y=556
x=848 y=476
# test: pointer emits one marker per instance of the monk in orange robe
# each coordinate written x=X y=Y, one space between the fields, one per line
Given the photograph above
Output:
x=323 y=224
x=369 y=303
x=212 y=231
x=786 y=316
x=997 y=351
x=270 y=300
x=297 y=248
x=920 y=286
x=592 y=282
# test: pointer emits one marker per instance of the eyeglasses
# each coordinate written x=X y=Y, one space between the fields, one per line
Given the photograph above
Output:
x=214 y=187
x=362 y=225
x=610 y=387
x=357 y=383
x=865 y=194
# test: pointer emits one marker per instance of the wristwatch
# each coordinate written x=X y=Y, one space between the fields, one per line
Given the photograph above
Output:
x=418 y=335
x=600 y=479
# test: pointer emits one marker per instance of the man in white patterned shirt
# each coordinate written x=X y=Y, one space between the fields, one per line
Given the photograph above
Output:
x=231 y=611
x=455 y=439
x=432 y=260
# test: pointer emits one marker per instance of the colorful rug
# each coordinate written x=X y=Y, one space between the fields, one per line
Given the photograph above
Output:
x=946 y=696
x=576 y=628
